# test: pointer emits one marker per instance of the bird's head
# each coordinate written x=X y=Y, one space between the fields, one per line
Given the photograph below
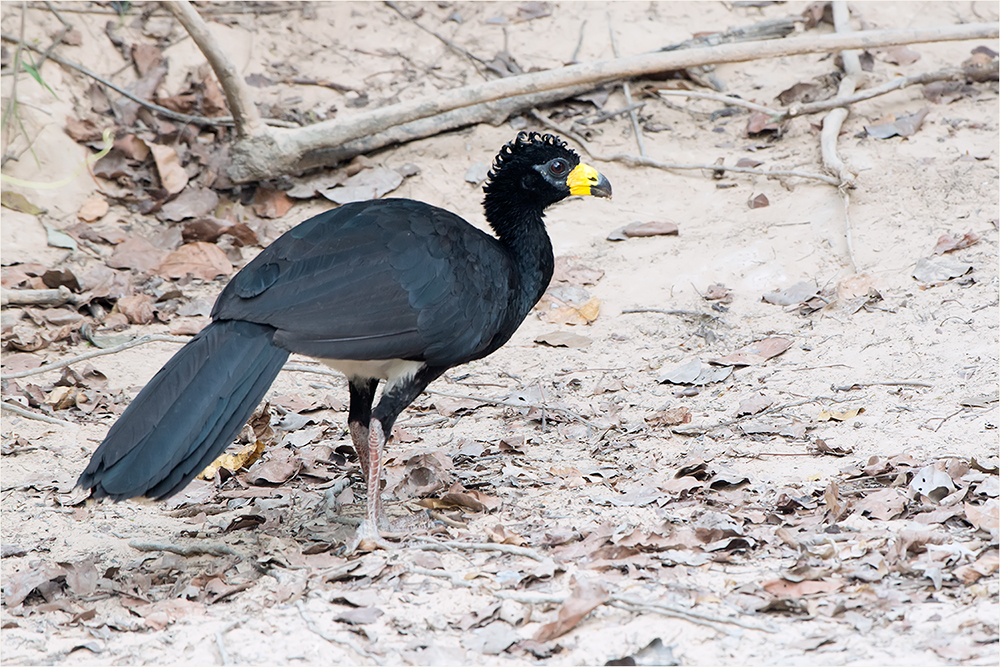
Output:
x=537 y=170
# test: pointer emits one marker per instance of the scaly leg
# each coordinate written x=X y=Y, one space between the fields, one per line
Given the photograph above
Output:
x=369 y=535
x=362 y=395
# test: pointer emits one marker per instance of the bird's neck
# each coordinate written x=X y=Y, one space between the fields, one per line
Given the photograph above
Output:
x=523 y=236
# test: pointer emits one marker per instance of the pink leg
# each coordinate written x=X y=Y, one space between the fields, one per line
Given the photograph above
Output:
x=359 y=436
x=368 y=536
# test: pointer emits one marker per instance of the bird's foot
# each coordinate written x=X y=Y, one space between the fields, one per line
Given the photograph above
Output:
x=370 y=538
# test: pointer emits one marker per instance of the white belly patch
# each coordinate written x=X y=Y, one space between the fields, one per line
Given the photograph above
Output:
x=393 y=371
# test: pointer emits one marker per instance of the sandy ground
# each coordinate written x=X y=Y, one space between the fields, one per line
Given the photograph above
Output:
x=921 y=362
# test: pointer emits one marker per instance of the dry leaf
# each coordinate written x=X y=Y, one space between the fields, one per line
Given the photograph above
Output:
x=173 y=178
x=901 y=55
x=947 y=242
x=788 y=589
x=795 y=294
x=202 y=260
x=280 y=467
x=903 y=126
x=660 y=228
x=268 y=203
x=563 y=339
x=884 y=504
x=844 y=415
x=137 y=308
x=939 y=270
x=192 y=203
x=753 y=405
x=245 y=457
x=755 y=353
x=672 y=417
x=136 y=253
x=369 y=184
x=985 y=516
x=82 y=130
x=584 y=599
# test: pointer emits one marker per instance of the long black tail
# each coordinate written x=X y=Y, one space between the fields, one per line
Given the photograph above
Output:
x=188 y=413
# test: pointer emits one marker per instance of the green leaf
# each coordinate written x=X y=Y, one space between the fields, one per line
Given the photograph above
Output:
x=37 y=76
x=18 y=202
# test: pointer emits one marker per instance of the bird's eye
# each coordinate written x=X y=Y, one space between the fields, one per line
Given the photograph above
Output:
x=558 y=167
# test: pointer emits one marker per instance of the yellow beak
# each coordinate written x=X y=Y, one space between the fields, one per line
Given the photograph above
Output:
x=585 y=180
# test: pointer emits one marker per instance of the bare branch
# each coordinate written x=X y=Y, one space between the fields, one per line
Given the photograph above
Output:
x=241 y=105
x=284 y=151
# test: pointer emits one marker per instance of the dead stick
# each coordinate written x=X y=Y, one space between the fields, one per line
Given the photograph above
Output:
x=241 y=105
x=638 y=161
x=480 y=546
x=191 y=550
x=946 y=74
x=333 y=639
x=718 y=97
x=277 y=151
x=835 y=120
x=151 y=338
x=626 y=89
x=36 y=297
x=18 y=410
x=163 y=111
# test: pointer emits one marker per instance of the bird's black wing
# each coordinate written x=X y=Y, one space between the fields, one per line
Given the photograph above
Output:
x=383 y=279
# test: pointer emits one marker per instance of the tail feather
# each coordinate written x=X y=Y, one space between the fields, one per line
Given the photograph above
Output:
x=188 y=413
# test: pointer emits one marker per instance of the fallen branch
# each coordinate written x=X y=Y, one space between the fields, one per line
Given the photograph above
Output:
x=621 y=601
x=18 y=410
x=151 y=338
x=191 y=550
x=835 y=120
x=428 y=544
x=241 y=105
x=163 y=111
x=638 y=161
x=315 y=629
x=267 y=152
x=36 y=297
x=972 y=73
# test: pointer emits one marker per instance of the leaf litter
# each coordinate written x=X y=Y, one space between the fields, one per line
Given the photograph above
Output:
x=879 y=533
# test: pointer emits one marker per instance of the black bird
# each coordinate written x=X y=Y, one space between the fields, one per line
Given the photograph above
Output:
x=390 y=290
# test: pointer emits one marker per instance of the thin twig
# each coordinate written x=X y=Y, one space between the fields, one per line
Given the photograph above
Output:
x=633 y=114
x=639 y=161
x=894 y=383
x=517 y=404
x=18 y=410
x=698 y=430
x=687 y=615
x=245 y=115
x=220 y=641
x=315 y=629
x=444 y=40
x=163 y=111
x=434 y=545
x=150 y=338
x=614 y=600
x=67 y=26
x=579 y=42
x=10 y=111
x=946 y=74
x=728 y=100
x=190 y=550
x=835 y=120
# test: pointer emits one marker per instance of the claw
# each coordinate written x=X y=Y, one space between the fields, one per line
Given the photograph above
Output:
x=369 y=538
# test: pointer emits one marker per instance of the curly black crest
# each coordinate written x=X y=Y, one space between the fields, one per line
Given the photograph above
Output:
x=522 y=141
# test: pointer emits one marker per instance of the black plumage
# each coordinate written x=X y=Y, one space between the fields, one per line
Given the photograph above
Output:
x=389 y=290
